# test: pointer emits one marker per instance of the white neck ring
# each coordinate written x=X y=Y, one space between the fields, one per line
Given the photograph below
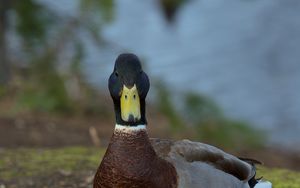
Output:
x=130 y=129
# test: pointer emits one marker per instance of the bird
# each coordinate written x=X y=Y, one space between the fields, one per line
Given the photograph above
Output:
x=133 y=160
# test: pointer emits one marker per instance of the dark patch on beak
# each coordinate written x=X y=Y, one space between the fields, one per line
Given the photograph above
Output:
x=131 y=118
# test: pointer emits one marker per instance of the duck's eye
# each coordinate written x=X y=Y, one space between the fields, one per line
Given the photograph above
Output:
x=116 y=74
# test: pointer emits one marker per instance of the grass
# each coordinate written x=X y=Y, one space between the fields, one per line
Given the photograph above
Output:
x=280 y=178
x=23 y=162
x=27 y=162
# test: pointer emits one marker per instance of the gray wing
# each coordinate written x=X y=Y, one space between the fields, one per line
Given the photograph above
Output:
x=201 y=162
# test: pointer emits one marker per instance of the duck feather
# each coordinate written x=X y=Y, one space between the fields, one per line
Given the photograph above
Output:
x=190 y=158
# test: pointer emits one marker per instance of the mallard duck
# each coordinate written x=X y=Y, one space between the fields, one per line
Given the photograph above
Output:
x=134 y=160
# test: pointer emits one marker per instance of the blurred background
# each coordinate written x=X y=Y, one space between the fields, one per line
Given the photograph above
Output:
x=222 y=72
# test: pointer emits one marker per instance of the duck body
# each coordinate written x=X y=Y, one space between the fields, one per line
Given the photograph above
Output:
x=201 y=165
x=130 y=161
x=133 y=160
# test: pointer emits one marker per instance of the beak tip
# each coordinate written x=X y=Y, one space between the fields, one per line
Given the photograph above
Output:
x=131 y=118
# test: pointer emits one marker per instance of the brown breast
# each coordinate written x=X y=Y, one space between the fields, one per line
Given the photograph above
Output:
x=130 y=161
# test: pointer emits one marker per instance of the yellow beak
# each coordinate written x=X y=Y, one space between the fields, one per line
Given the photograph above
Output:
x=130 y=104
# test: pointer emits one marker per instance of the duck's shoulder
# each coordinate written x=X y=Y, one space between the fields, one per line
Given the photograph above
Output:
x=162 y=147
x=190 y=151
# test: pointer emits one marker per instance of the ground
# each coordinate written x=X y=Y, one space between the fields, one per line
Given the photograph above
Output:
x=76 y=166
x=47 y=152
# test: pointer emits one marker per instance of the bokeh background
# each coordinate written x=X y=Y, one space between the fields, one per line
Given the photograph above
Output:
x=222 y=72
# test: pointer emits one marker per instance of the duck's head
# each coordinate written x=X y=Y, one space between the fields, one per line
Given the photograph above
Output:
x=128 y=85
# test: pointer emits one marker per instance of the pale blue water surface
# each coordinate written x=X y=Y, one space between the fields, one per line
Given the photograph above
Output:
x=245 y=54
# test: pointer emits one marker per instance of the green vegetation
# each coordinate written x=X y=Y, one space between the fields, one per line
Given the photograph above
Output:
x=45 y=91
x=29 y=15
x=22 y=163
x=47 y=75
x=15 y=163
x=280 y=178
x=214 y=127
x=204 y=118
x=167 y=108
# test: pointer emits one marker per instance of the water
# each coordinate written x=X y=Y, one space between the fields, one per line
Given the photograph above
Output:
x=244 y=54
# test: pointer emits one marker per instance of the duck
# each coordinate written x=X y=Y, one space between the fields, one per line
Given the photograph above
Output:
x=133 y=160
